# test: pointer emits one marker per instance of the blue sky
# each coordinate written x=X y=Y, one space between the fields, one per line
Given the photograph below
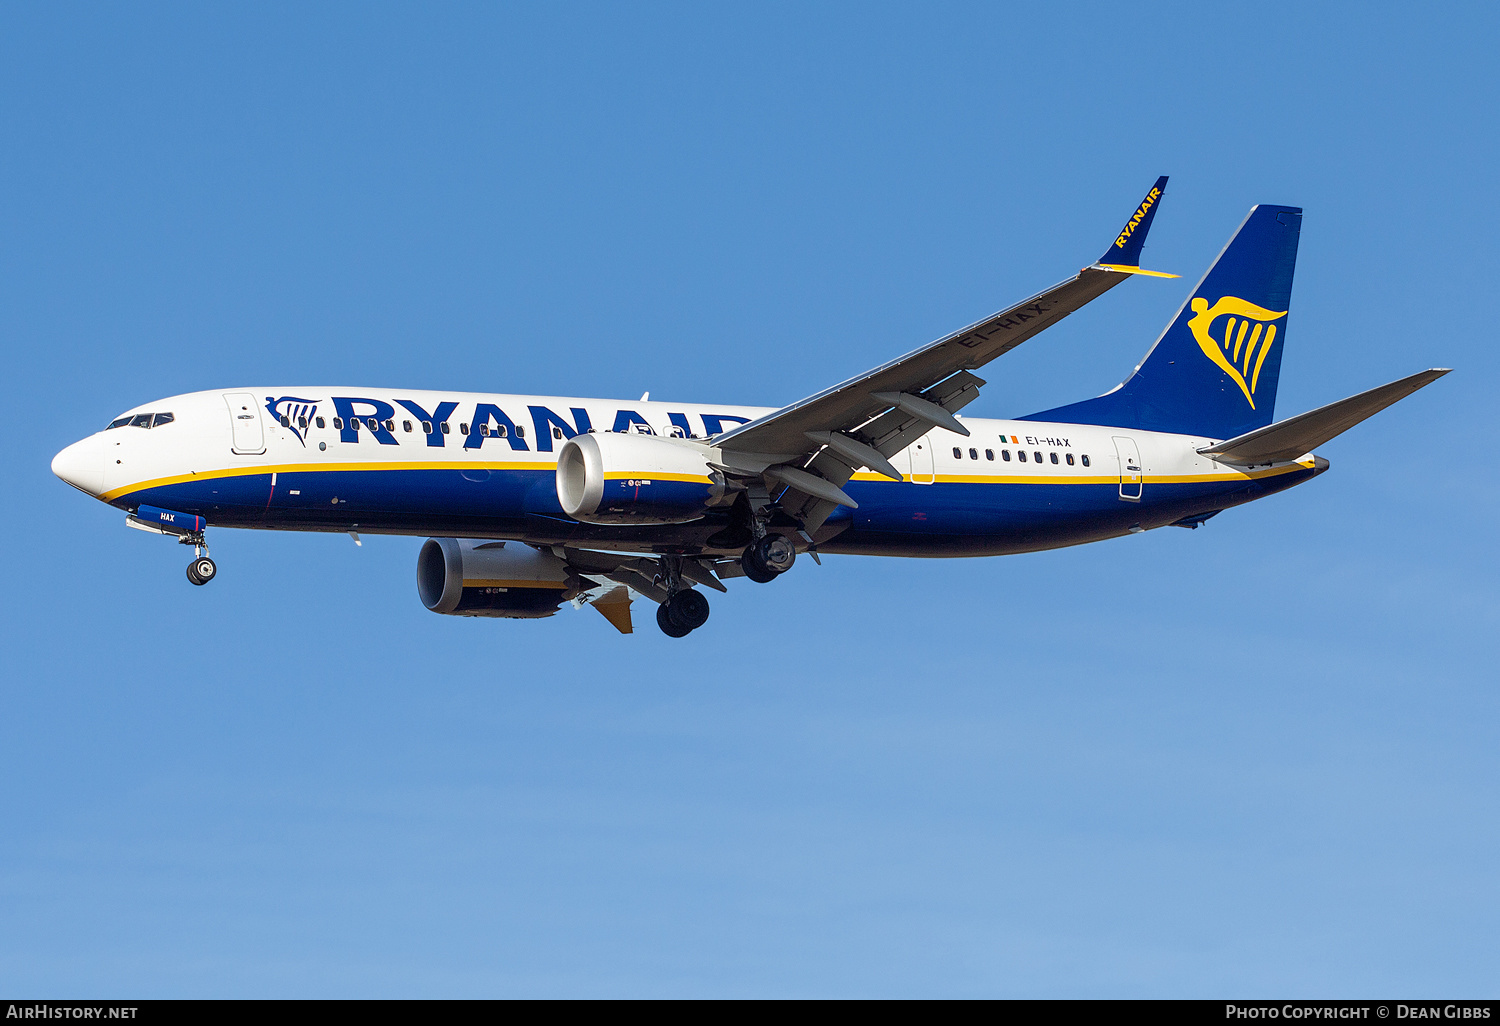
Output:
x=1255 y=759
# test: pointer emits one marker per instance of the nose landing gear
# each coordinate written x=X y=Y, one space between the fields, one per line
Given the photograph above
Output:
x=187 y=528
x=201 y=570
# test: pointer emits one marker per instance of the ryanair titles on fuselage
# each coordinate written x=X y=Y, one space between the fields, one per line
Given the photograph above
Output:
x=354 y=416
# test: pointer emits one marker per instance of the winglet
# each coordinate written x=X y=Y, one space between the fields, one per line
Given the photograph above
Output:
x=1125 y=253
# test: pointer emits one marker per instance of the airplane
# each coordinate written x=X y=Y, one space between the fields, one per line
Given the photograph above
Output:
x=531 y=502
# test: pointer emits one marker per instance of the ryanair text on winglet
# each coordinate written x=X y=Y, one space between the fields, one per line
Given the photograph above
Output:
x=1146 y=205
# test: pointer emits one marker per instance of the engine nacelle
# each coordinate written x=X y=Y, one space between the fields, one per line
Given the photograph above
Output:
x=473 y=577
x=637 y=479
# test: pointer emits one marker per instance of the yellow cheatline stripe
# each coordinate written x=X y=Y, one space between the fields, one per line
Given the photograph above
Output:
x=514 y=584
x=1072 y=479
x=316 y=468
x=1128 y=269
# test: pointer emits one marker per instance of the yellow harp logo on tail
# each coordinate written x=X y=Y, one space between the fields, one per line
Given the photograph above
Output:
x=1246 y=336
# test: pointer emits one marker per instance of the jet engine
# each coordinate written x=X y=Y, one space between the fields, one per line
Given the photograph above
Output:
x=637 y=479
x=473 y=577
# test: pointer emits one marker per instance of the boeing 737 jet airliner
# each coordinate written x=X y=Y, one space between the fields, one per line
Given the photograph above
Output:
x=533 y=501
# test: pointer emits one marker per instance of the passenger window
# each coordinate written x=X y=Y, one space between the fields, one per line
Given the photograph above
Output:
x=501 y=432
x=1070 y=459
x=374 y=424
x=338 y=423
x=484 y=431
x=1037 y=456
x=406 y=426
x=444 y=425
x=160 y=419
x=390 y=425
x=426 y=427
x=520 y=431
x=286 y=421
x=958 y=453
x=557 y=432
x=141 y=420
x=1021 y=455
x=463 y=429
x=1005 y=455
x=1054 y=456
x=320 y=422
x=973 y=454
x=989 y=454
x=1085 y=461
x=302 y=423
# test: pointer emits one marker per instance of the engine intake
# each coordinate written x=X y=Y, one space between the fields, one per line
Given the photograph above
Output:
x=473 y=577
x=637 y=479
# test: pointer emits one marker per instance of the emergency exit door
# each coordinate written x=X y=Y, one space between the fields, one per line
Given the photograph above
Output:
x=249 y=437
x=1132 y=476
x=922 y=470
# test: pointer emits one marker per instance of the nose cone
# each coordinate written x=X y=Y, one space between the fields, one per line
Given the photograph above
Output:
x=81 y=465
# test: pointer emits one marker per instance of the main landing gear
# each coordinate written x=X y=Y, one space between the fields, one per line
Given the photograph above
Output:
x=686 y=609
x=769 y=558
x=682 y=614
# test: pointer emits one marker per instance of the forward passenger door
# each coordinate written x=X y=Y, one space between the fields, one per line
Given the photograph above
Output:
x=244 y=416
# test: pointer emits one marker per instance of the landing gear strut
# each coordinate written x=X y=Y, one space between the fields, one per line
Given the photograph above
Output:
x=202 y=569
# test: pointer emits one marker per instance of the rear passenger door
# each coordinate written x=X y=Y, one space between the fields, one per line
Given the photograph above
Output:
x=1132 y=476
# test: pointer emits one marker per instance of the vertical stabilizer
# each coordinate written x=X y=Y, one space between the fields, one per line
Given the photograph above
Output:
x=1215 y=369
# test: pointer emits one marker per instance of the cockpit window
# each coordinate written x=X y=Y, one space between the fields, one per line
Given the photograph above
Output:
x=140 y=420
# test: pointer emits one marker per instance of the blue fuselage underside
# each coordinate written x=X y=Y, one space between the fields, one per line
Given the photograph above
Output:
x=946 y=518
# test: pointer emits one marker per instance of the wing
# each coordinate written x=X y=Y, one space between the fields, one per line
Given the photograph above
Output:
x=868 y=418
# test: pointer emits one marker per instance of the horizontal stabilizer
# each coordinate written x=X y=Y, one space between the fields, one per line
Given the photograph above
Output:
x=1296 y=436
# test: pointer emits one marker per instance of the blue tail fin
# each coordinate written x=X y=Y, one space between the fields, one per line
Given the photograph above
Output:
x=1214 y=370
